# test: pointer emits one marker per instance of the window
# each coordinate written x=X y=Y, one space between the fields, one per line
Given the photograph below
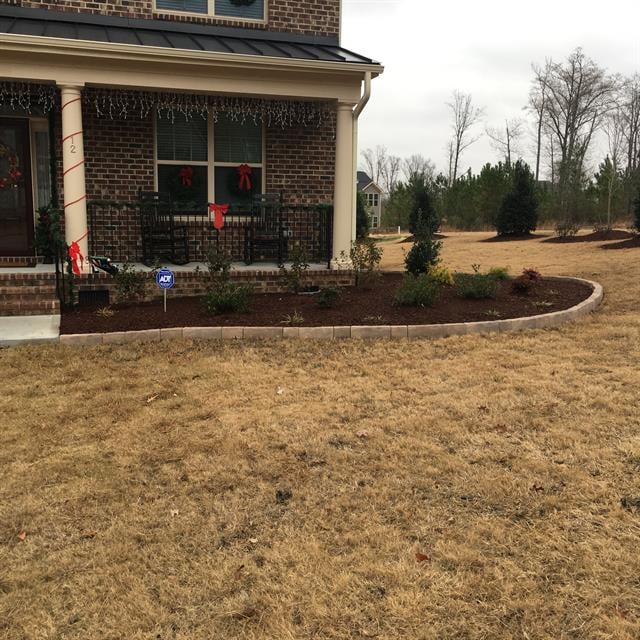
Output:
x=183 y=153
x=234 y=9
x=372 y=199
x=200 y=162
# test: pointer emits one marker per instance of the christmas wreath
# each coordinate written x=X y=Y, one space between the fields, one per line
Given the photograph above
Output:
x=12 y=176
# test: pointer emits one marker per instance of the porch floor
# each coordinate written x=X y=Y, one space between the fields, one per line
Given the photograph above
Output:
x=186 y=268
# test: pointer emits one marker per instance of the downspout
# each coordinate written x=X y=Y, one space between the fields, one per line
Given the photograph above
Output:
x=359 y=108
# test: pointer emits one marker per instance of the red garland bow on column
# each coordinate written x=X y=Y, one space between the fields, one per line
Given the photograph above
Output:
x=219 y=211
x=244 y=171
x=75 y=255
x=186 y=175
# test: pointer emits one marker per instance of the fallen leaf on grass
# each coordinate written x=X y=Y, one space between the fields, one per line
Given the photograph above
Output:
x=280 y=391
x=537 y=488
x=152 y=398
x=362 y=434
x=238 y=572
x=174 y=513
x=422 y=557
x=87 y=535
x=22 y=536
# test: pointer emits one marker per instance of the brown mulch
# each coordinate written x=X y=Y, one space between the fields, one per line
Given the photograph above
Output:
x=357 y=306
x=596 y=236
x=511 y=238
x=632 y=243
x=412 y=239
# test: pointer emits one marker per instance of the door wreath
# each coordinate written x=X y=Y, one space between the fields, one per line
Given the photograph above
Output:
x=11 y=177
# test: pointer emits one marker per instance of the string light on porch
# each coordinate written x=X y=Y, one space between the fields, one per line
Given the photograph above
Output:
x=25 y=97
x=122 y=104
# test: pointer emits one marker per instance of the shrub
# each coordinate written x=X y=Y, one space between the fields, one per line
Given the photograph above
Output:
x=423 y=219
x=518 y=214
x=424 y=254
x=49 y=235
x=366 y=256
x=294 y=275
x=218 y=263
x=329 y=297
x=441 y=275
x=526 y=282
x=225 y=296
x=567 y=229
x=417 y=291
x=362 y=218
x=499 y=273
x=476 y=285
x=131 y=285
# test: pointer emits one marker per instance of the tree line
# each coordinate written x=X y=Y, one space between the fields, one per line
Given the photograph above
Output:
x=575 y=108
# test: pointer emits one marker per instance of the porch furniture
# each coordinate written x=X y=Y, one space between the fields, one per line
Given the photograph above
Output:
x=163 y=235
x=265 y=235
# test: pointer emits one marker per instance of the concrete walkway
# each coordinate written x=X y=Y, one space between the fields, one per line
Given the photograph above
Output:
x=15 y=330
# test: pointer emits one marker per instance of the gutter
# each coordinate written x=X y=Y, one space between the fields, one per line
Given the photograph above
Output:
x=359 y=108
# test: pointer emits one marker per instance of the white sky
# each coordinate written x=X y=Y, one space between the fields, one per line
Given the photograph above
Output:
x=431 y=47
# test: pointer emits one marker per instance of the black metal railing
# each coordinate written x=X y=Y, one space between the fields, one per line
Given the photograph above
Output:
x=123 y=232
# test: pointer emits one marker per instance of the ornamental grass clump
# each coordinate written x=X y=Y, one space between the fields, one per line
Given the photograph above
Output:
x=476 y=285
x=418 y=291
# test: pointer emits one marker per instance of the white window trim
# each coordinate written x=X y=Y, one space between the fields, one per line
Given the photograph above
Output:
x=211 y=13
x=211 y=163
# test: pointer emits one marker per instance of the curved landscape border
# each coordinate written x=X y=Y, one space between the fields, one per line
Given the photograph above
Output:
x=330 y=333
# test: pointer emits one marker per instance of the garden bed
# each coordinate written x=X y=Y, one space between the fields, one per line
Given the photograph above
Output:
x=596 y=236
x=357 y=306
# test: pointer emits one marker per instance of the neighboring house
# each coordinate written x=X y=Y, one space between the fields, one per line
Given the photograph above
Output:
x=206 y=101
x=372 y=198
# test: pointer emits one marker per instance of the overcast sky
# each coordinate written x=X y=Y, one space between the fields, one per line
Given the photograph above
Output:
x=483 y=48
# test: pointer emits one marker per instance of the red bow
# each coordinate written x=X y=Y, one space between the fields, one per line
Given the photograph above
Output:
x=244 y=171
x=186 y=174
x=75 y=255
x=219 y=211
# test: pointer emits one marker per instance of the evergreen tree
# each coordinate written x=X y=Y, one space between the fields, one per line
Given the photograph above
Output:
x=362 y=218
x=423 y=219
x=518 y=213
x=636 y=211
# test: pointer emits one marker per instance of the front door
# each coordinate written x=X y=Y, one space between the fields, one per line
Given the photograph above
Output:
x=16 y=208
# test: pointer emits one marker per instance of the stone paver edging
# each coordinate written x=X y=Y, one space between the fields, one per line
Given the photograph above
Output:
x=330 y=333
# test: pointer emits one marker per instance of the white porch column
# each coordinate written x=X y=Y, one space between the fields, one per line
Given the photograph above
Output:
x=75 y=194
x=345 y=185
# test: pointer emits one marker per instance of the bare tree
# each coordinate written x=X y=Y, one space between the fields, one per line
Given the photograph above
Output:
x=537 y=105
x=614 y=130
x=465 y=117
x=375 y=161
x=391 y=173
x=630 y=114
x=507 y=141
x=417 y=164
x=578 y=97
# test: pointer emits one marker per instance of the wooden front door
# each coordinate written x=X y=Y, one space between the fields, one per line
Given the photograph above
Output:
x=16 y=206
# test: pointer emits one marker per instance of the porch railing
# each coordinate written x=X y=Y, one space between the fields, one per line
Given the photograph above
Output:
x=117 y=230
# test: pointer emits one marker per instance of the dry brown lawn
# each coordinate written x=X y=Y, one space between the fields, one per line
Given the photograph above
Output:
x=139 y=484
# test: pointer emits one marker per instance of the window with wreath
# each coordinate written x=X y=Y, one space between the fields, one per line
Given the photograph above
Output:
x=241 y=9
x=238 y=162
x=183 y=160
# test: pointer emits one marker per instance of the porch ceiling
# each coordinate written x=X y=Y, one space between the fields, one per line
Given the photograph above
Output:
x=69 y=48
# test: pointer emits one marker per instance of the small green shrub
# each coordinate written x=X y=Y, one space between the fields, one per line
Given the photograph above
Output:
x=440 y=274
x=218 y=264
x=424 y=254
x=499 y=273
x=366 y=256
x=476 y=285
x=294 y=275
x=329 y=297
x=131 y=284
x=417 y=291
x=226 y=297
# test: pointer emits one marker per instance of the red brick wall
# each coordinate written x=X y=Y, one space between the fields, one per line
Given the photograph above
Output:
x=321 y=17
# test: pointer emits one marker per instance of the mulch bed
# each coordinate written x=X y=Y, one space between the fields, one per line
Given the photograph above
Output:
x=357 y=306
x=596 y=236
x=632 y=243
x=515 y=237
x=411 y=239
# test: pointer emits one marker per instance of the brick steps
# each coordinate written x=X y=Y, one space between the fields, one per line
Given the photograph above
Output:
x=28 y=294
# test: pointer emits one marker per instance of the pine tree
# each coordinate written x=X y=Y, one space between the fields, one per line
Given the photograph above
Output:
x=518 y=213
x=423 y=219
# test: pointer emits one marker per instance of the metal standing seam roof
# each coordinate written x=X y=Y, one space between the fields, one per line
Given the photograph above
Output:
x=173 y=35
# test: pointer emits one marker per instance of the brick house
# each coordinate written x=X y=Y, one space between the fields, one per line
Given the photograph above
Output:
x=205 y=102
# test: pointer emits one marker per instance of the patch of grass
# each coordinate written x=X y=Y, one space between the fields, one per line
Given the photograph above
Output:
x=105 y=312
x=293 y=319
x=483 y=498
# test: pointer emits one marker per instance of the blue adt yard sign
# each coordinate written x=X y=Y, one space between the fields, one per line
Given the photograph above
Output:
x=165 y=279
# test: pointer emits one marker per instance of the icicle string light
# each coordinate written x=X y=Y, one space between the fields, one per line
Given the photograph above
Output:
x=121 y=104
x=25 y=97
